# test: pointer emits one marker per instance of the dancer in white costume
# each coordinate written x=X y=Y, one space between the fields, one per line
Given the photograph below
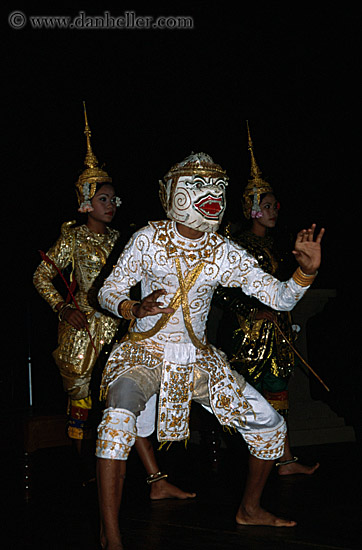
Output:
x=180 y=262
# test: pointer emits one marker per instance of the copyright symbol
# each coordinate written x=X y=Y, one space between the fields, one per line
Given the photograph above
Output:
x=17 y=20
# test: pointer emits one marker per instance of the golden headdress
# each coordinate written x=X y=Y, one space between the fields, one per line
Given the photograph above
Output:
x=199 y=164
x=87 y=181
x=256 y=186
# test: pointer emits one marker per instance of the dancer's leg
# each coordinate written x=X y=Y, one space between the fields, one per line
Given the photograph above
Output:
x=160 y=489
x=291 y=468
x=250 y=512
x=110 y=475
x=275 y=391
x=116 y=435
x=264 y=431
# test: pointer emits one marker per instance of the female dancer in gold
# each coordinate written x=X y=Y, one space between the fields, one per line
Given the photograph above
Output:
x=85 y=330
x=248 y=330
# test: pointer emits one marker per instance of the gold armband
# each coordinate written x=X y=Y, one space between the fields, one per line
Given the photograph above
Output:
x=302 y=279
x=126 y=309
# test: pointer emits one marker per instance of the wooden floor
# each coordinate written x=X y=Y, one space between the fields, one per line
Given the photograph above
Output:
x=63 y=515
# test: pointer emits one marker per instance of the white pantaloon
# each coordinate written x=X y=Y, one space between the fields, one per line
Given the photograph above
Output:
x=131 y=412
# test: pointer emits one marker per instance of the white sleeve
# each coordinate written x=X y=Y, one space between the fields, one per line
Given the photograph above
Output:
x=241 y=269
x=126 y=273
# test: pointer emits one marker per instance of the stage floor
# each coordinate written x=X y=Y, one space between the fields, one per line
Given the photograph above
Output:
x=63 y=515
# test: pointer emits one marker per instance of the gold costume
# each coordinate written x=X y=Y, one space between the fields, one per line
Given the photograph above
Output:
x=87 y=252
x=256 y=346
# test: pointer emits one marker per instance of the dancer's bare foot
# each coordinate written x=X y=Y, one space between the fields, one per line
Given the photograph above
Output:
x=297 y=468
x=259 y=516
x=115 y=544
x=163 y=489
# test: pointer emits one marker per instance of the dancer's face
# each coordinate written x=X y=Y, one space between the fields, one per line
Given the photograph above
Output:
x=104 y=204
x=269 y=207
x=199 y=202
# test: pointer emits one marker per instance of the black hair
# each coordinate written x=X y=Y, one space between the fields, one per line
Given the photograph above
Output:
x=100 y=184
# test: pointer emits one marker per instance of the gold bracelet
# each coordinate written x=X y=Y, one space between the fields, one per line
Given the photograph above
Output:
x=126 y=309
x=62 y=309
x=302 y=279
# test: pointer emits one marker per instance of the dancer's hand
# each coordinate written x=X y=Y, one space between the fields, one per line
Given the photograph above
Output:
x=150 y=306
x=265 y=314
x=75 y=318
x=307 y=250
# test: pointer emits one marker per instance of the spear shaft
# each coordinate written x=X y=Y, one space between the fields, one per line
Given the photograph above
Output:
x=300 y=357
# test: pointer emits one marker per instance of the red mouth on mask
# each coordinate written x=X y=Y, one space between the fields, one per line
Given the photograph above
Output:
x=209 y=207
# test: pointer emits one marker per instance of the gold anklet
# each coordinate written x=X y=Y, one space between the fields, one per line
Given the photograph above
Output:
x=285 y=462
x=156 y=477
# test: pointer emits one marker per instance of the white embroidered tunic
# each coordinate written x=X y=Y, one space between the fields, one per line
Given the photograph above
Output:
x=189 y=270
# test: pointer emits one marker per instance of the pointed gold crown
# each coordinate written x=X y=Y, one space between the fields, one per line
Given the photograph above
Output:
x=87 y=181
x=256 y=184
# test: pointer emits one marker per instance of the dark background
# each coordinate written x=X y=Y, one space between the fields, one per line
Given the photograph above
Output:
x=152 y=97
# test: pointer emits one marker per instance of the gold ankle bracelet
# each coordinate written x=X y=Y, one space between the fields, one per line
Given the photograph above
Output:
x=155 y=477
x=285 y=462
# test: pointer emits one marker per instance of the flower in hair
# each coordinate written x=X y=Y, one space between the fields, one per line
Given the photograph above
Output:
x=117 y=201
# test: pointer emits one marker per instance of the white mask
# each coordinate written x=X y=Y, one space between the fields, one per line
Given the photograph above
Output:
x=196 y=199
x=198 y=202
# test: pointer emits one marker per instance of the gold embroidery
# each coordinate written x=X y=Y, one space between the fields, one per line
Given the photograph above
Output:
x=185 y=307
x=203 y=250
x=175 y=303
x=174 y=401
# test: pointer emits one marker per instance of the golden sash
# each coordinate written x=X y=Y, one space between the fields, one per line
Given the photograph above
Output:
x=185 y=306
x=179 y=298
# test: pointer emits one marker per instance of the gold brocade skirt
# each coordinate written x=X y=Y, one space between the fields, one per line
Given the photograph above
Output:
x=75 y=355
x=259 y=348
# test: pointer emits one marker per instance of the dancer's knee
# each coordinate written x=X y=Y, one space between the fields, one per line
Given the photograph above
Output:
x=116 y=434
x=126 y=394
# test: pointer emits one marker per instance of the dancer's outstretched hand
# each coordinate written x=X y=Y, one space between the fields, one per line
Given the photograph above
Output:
x=150 y=306
x=307 y=251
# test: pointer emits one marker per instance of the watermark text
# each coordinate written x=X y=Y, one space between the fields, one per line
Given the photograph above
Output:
x=129 y=20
